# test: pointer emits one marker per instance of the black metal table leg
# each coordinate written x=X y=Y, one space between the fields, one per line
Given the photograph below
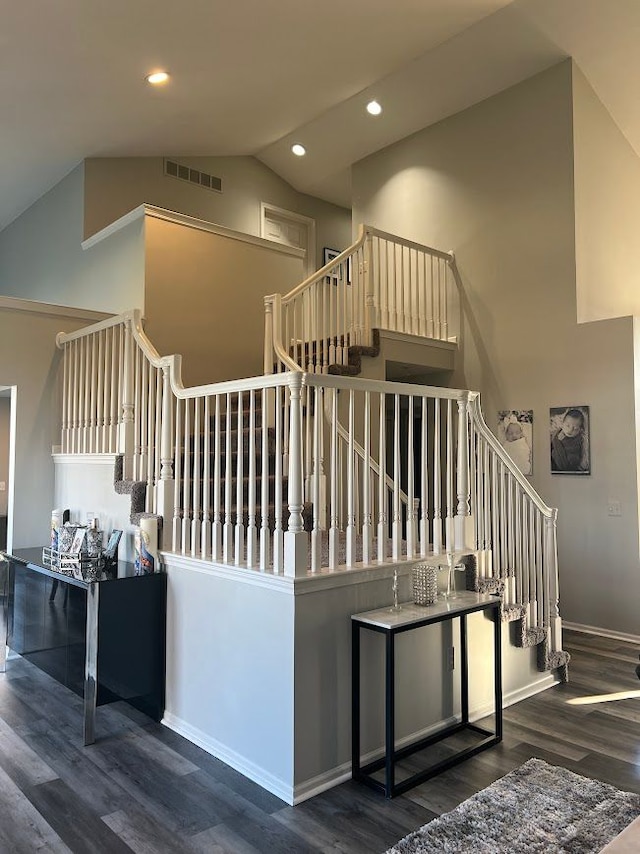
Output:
x=355 y=699
x=464 y=670
x=390 y=695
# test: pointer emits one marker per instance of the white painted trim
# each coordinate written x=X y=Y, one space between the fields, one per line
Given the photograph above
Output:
x=35 y=307
x=241 y=574
x=84 y=459
x=603 y=633
x=301 y=585
x=341 y=773
x=406 y=338
x=190 y=222
x=230 y=757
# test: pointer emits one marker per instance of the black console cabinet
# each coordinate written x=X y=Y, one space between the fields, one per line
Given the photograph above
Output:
x=105 y=640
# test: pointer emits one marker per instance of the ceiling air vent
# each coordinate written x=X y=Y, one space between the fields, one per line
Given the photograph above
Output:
x=192 y=176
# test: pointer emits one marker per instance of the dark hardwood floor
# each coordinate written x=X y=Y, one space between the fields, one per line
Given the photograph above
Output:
x=143 y=788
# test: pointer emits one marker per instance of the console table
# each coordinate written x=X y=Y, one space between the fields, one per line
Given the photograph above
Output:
x=103 y=639
x=409 y=617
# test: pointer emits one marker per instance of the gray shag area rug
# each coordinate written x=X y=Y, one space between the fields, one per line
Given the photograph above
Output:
x=536 y=808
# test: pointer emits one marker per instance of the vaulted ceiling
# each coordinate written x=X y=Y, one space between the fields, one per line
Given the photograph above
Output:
x=252 y=77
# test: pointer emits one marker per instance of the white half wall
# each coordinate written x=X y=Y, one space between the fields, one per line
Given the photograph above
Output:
x=259 y=671
x=84 y=484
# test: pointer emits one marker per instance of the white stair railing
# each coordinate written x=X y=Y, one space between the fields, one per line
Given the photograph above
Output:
x=381 y=281
x=397 y=472
x=514 y=529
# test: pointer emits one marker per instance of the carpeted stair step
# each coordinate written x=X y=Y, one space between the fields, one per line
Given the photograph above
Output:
x=354 y=357
x=527 y=637
x=548 y=660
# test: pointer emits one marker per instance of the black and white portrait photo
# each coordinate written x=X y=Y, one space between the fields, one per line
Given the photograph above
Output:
x=569 y=433
x=515 y=434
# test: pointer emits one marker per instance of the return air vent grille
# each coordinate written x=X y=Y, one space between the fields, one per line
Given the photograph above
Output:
x=192 y=176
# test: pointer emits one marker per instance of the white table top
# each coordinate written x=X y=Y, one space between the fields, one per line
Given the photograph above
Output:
x=388 y=618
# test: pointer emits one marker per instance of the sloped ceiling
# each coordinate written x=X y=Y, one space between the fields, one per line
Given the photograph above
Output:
x=251 y=77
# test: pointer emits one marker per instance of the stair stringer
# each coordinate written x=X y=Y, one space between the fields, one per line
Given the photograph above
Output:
x=523 y=636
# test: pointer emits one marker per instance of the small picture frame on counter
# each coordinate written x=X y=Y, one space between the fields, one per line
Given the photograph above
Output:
x=110 y=553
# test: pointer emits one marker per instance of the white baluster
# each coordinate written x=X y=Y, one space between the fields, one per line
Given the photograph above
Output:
x=278 y=533
x=333 y=507
x=463 y=523
x=315 y=480
x=411 y=510
x=114 y=387
x=269 y=353
x=382 y=484
x=252 y=531
x=295 y=538
x=431 y=303
x=125 y=444
x=422 y=302
x=186 y=479
x=445 y=302
x=179 y=458
x=264 y=493
x=396 y=530
x=227 y=531
x=166 y=483
x=367 y=526
x=240 y=530
x=216 y=525
x=437 y=485
x=424 y=482
x=351 y=487
x=195 y=503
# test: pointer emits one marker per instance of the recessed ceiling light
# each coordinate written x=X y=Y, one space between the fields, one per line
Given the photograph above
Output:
x=374 y=108
x=157 y=78
x=298 y=150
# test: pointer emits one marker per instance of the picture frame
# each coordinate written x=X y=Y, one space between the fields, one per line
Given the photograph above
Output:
x=515 y=434
x=570 y=440
x=328 y=255
x=111 y=550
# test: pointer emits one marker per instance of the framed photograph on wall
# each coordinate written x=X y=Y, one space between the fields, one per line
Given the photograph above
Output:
x=569 y=429
x=515 y=434
x=327 y=256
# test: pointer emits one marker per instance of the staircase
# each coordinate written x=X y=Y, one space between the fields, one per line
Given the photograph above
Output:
x=311 y=468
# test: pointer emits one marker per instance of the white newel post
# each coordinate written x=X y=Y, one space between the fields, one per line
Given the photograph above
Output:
x=369 y=301
x=464 y=528
x=296 y=540
x=166 y=484
x=552 y=587
x=125 y=427
x=268 y=335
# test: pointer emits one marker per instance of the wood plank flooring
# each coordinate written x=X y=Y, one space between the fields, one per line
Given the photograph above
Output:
x=143 y=788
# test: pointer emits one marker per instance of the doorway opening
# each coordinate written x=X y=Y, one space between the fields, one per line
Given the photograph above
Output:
x=7 y=464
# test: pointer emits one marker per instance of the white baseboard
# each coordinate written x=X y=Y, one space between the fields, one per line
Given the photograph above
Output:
x=230 y=757
x=603 y=633
x=340 y=773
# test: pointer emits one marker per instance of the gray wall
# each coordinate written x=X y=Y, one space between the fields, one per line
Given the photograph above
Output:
x=41 y=255
x=495 y=183
x=30 y=361
x=5 y=413
x=607 y=195
x=114 y=186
